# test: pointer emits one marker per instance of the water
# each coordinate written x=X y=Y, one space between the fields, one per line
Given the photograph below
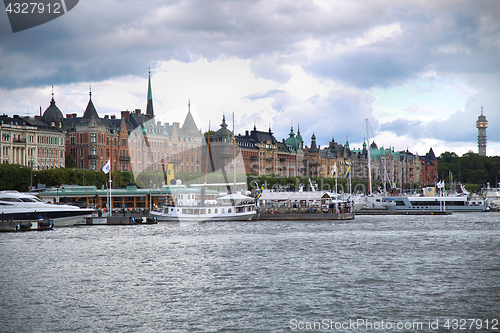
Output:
x=255 y=276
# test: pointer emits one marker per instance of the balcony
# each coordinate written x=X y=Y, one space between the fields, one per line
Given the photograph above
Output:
x=19 y=141
x=93 y=157
x=125 y=158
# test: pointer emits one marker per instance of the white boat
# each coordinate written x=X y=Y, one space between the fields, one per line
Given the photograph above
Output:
x=26 y=207
x=233 y=207
x=492 y=196
x=436 y=203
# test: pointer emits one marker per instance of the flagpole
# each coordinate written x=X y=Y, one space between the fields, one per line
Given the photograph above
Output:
x=350 y=177
x=110 y=208
x=335 y=166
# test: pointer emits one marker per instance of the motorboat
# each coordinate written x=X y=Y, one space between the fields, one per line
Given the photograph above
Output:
x=18 y=206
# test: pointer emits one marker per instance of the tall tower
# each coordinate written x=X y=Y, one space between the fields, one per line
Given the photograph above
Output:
x=149 y=108
x=481 y=125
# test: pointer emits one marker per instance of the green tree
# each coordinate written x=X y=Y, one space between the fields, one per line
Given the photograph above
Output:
x=70 y=161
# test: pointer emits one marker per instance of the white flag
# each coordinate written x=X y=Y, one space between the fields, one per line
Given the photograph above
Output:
x=334 y=171
x=106 y=167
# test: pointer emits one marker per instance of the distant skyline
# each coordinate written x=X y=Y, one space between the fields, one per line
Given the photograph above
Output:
x=419 y=71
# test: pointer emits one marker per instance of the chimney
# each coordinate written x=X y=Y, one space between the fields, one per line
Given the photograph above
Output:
x=176 y=124
x=113 y=116
x=158 y=123
x=106 y=116
x=138 y=111
x=246 y=133
x=126 y=115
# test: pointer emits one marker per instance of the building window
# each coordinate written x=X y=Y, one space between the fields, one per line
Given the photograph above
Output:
x=93 y=137
x=81 y=138
x=93 y=165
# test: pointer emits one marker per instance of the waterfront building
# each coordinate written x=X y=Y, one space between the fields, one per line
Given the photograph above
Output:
x=328 y=162
x=92 y=140
x=402 y=167
x=36 y=142
x=428 y=172
x=134 y=142
x=481 y=125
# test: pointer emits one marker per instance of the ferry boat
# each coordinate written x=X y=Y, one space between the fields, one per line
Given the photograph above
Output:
x=436 y=203
x=26 y=207
x=233 y=207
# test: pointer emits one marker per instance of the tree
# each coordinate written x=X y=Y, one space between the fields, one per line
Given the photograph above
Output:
x=70 y=161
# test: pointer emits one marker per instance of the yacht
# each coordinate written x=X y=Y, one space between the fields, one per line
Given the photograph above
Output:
x=20 y=206
x=443 y=203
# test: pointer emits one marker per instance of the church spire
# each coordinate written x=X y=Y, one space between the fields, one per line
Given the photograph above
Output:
x=149 y=108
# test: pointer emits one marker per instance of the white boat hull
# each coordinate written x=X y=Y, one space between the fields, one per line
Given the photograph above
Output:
x=451 y=204
x=205 y=213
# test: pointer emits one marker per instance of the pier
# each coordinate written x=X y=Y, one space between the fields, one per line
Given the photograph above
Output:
x=120 y=220
x=12 y=226
x=388 y=212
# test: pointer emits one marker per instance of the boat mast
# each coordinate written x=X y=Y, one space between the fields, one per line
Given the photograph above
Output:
x=234 y=158
x=208 y=152
x=369 y=166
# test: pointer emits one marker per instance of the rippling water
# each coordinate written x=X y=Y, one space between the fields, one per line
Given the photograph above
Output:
x=255 y=276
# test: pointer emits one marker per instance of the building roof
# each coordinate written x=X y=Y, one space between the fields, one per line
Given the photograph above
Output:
x=149 y=108
x=53 y=115
x=189 y=125
x=223 y=134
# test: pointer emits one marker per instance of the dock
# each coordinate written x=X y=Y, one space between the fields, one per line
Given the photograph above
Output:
x=305 y=217
x=388 y=212
x=120 y=220
x=303 y=213
x=13 y=226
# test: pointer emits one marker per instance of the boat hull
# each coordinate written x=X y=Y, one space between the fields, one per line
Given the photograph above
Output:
x=60 y=218
x=205 y=213
x=434 y=204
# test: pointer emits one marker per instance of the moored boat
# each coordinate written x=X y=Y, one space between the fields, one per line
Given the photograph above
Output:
x=18 y=206
x=233 y=207
x=436 y=203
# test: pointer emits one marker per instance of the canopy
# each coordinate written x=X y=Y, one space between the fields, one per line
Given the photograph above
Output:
x=315 y=195
x=235 y=196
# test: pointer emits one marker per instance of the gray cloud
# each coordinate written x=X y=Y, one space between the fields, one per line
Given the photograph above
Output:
x=100 y=40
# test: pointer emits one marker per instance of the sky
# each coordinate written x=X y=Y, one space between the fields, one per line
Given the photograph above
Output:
x=417 y=72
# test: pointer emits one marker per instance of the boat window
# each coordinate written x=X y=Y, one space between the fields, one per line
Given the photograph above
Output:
x=215 y=211
x=10 y=199
x=222 y=210
x=229 y=210
x=28 y=200
x=209 y=211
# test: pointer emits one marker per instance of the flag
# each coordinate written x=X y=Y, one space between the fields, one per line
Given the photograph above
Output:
x=347 y=173
x=106 y=167
x=259 y=193
x=334 y=171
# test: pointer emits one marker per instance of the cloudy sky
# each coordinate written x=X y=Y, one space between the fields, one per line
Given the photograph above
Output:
x=418 y=70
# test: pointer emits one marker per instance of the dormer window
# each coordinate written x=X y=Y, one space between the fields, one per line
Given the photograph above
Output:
x=53 y=124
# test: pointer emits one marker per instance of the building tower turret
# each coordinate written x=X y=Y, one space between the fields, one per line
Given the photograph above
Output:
x=481 y=125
